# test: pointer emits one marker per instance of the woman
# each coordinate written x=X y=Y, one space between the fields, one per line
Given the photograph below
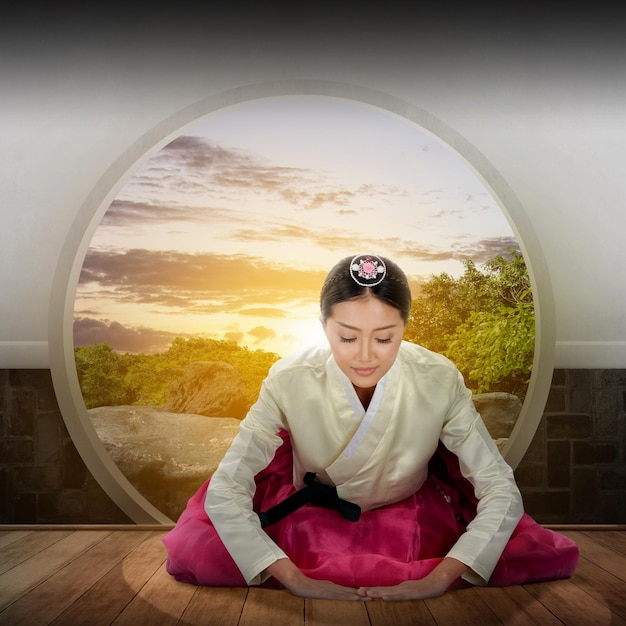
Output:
x=363 y=470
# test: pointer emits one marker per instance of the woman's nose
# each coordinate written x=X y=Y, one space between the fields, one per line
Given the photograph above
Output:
x=364 y=351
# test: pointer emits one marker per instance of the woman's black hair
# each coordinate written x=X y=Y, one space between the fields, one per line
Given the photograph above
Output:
x=340 y=285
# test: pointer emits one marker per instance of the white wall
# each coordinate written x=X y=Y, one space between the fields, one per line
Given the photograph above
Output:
x=543 y=100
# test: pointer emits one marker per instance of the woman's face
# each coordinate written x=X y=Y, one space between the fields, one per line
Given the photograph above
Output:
x=365 y=335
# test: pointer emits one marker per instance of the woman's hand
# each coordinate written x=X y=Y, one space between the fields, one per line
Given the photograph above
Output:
x=431 y=586
x=301 y=585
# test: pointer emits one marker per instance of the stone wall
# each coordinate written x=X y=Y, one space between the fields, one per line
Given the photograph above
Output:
x=43 y=479
x=573 y=471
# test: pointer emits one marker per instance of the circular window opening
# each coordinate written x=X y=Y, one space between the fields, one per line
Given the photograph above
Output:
x=201 y=266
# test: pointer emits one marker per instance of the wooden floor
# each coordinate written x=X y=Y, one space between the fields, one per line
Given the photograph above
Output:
x=116 y=575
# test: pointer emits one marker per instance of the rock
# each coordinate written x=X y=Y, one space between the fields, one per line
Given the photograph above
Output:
x=165 y=456
x=499 y=411
x=210 y=388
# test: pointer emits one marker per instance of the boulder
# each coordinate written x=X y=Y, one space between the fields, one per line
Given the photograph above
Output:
x=165 y=456
x=499 y=411
x=210 y=388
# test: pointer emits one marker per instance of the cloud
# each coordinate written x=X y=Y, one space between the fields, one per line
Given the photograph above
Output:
x=124 y=213
x=208 y=173
x=196 y=168
x=201 y=282
x=337 y=239
x=245 y=285
x=264 y=312
x=89 y=331
x=479 y=250
x=262 y=333
x=235 y=336
x=485 y=249
x=195 y=164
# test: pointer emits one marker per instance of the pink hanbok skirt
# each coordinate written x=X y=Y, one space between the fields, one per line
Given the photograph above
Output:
x=402 y=541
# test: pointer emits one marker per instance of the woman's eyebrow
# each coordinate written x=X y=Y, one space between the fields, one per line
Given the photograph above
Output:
x=375 y=329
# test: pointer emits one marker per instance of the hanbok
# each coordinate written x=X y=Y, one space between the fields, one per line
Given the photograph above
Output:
x=418 y=462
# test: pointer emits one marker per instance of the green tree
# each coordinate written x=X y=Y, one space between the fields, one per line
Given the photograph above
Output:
x=149 y=377
x=252 y=365
x=483 y=321
x=108 y=378
x=101 y=375
x=495 y=350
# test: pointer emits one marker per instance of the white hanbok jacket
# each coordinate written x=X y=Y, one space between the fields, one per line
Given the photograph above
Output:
x=374 y=457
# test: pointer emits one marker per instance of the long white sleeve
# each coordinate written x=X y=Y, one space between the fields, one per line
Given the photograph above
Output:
x=500 y=502
x=228 y=500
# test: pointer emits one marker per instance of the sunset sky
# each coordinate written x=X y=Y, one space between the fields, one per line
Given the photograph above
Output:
x=229 y=230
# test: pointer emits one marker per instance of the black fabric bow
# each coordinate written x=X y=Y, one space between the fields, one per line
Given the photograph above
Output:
x=316 y=493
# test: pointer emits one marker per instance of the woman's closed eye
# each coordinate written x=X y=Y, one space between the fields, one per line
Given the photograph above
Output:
x=348 y=339
x=353 y=339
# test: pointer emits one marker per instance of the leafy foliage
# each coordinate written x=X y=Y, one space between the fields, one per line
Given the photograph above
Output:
x=483 y=321
x=107 y=378
x=101 y=373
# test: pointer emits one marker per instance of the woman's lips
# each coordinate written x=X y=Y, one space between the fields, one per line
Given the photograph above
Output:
x=364 y=371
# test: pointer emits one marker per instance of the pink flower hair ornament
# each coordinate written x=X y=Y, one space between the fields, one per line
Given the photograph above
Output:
x=367 y=270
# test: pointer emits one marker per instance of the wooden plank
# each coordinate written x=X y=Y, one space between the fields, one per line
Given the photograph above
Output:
x=7 y=537
x=401 y=613
x=218 y=606
x=23 y=577
x=613 y=539
x=601 y=555
x=39 y=527
x=50 y=598
x=106 y=599
x=162 y=600
x=561 y=528
x=319 y=612
x=599 y=584
x=44 y=577
x=27 y=546
x=572 y=605
x=461 y=607
x=269 y=607
x=514 y=606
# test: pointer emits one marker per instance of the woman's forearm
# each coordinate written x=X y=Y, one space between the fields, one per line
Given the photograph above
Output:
x=284 y=571
x=447 y=572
